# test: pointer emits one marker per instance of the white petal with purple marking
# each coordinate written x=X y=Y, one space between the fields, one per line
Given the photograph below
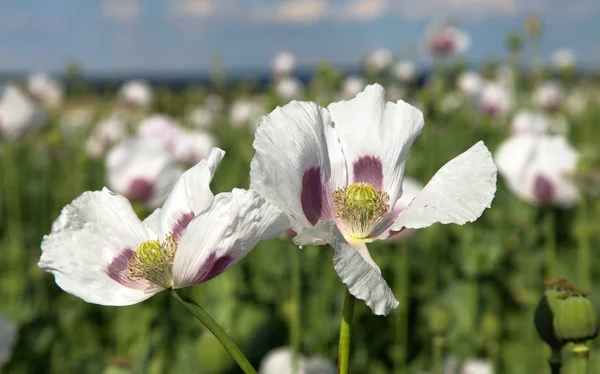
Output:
x=376 y=136
x=190 y=196
x=224 y=234
x=458 y=193
x=88 y=248
x=298 y=163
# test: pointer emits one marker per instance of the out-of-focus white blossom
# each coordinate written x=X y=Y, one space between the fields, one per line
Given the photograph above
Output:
x=495 y=99
x=477 y=366
x=161 y=128
x=289 y=88
x=548 y=96
x=244 y=112
x=283 y=64
x=193 y=146
x=527 y=122
x=443 y=40
x=563 y=59
x=470 y=83
x=136 y=93
x=108 y=131
x=405 y=71
x=46 y=89
x=280 y=361
x=18 y=113
x=8 y=339
x=352 y=85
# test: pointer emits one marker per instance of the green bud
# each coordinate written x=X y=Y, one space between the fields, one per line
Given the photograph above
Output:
x=546 y=310
x=575 y=320
x=439 y=318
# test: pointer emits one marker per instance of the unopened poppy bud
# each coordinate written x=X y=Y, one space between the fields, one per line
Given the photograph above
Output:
x=575 y=320
x=546 y=310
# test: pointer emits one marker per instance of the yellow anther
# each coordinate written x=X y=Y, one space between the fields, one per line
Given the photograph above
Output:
x=361 y=207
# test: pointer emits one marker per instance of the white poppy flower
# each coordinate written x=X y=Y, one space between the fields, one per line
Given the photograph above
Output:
x=245 y=112
x=136 y=93
x=74 y=121
x=446 y=40
x=100 y=251
x=161 y=128
x=495 y=100
x=527 y=122
x=283 y=64
x=470 y=83
x=352 y=86
x=142 y=170
x=379 y=59
x=405 y=71
x=337 y=173
x=8 y=339
x=538 y=169
x=46 y=89
x=289 y=89
x=280 y=361
x=563 y=59
x=193 y=146
x=548 y=96
x=474 y=366
x=18 y=113
x=201 y=117
x=107 y=132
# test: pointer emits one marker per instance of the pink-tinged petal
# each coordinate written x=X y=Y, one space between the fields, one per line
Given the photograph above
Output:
x=298 y=163
x=368 y=169
x=142 y=170
x=544 y=189
x=140 y=189
x=190 y=196
x=458 y=193
x=376 y=136
x=312 y=195
x=88 y=248
x=359 y=273
x=224 y=234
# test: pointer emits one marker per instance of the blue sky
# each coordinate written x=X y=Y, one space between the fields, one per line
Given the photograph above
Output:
x=175 y=35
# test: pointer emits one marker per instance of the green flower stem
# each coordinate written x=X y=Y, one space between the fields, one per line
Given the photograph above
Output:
x=581 y=355
x=437 y=351
x=551 y=249
x=346 y=334
x=212 y=325
x=555 y=361
x=583 y=253
x=296 y=298
x=402 y=276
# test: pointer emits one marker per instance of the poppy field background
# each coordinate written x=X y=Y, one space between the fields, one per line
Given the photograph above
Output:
x=475 y=286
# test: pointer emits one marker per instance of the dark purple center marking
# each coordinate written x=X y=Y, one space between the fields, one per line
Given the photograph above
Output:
x=311 y=196
x=117 y=270
x=181 y=224
x=140 y=190
x=543 y=189
x=211 y=267
x=369 y=169
x=442 y=44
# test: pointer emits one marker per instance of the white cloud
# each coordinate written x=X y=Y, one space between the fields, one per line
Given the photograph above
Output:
x=425 y=9
x=293 y=11
x=363 y=10
x=121 y=10
x=196 y=8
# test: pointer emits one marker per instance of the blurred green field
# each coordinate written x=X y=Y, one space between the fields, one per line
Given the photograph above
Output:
x=488 y=276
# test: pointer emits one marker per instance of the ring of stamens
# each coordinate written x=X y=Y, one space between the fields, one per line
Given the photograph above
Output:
x=360 y=206
x=153 y=261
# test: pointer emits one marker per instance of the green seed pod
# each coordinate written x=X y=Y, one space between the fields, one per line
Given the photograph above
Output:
x=575 y=320
x=439 y=319
x=546 y=309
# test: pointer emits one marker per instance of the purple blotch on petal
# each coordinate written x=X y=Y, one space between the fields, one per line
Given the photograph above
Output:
x=543 y=189
x=140 y=190
x=181 y=224
x=369 y=169
x=117 y=270
x=212 y=267
x=311 y=195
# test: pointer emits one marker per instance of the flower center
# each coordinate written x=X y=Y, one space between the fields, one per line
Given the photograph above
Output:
x=360 y=207
x=153 y=261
